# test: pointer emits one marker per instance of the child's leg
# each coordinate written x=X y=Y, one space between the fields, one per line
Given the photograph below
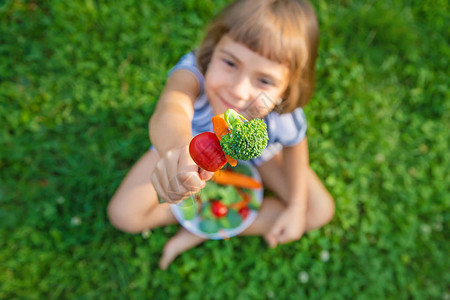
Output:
x=182 y=241
x=320 y=211
x=267 y=215
x=320 y=204
x=135 y=207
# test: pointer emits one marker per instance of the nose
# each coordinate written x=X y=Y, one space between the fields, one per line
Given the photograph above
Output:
x=241 y=88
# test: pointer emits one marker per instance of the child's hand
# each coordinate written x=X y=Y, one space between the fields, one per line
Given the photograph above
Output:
x=289 y=227
x=177 y=177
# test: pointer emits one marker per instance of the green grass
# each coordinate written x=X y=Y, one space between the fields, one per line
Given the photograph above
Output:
x=78 y=82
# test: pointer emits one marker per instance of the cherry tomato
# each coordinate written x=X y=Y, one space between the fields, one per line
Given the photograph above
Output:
x=244 y=212
x=206 y=152
x=219 y=209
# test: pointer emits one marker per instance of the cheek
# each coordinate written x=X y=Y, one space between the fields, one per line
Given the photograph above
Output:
x=210 y=82
x=260 y=107
x=211 y=87
x=212 y=73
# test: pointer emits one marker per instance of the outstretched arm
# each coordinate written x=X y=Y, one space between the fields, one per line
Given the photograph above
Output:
x=176 y=176
x=170 y=125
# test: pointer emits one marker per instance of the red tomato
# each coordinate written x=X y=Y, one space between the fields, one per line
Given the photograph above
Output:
x=206 y=152
x=244 y=212
x=219 y=209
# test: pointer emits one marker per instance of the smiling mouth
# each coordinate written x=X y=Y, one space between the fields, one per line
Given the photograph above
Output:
x=228 y=105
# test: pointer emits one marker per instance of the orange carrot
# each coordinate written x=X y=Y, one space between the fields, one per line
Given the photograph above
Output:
x=231 y=160
x=227 y=177
x=243 y=203
x=220 y=126
x=220 y=129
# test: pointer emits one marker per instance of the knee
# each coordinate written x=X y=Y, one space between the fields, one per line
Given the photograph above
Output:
x=322 y=214
x=329 y=209
x=122 y=220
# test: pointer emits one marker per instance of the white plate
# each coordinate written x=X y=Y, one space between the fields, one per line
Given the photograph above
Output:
x=223 y=233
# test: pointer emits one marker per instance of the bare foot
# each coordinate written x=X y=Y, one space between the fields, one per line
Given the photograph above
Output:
x=182 y=241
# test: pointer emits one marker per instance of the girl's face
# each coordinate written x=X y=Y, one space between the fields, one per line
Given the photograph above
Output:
x=241 y=79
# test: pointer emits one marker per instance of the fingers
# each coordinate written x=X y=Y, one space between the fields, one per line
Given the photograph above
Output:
x=184 y=185
x=283 y=231
x=273 y=237
x=184 y=180
x=176 y=176
x=205 y=175
x=282 y=234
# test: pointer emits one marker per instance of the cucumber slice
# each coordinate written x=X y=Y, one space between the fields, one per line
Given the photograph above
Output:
x=253 y=204
x=231 y=220
x=206 y=211
x=189 y=208
x=209 y=226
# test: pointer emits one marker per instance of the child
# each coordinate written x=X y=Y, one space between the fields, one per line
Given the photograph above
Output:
x=258 y=57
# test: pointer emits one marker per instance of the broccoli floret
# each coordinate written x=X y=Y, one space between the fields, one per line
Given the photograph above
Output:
x=247 y=139
x=210 y=191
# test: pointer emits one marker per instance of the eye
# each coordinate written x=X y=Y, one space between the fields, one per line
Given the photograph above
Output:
x=229 y=63
x=266 y=81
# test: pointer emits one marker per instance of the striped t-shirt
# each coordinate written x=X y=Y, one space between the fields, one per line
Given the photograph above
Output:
x=284 y=129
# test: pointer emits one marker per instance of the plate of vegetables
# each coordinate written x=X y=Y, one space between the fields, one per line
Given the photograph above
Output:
x=226 y=206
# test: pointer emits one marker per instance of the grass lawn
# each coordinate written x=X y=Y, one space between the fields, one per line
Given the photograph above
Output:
x=78 y=83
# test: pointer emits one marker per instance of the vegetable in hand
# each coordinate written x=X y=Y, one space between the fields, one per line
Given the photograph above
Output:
x=220 y=129
x=234 y=138
x=206 y=152
x=246 y=139
x=227 y=177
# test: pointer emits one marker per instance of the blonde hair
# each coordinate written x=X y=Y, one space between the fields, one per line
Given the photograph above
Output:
x=285 y=31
